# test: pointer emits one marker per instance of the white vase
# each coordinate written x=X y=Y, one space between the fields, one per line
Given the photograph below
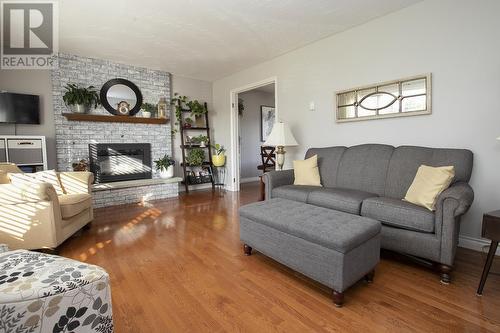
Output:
x=146 y=114
x=169 y=173
x=202 y=144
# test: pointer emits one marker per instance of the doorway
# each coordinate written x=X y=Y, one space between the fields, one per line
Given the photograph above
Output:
x=254 y=111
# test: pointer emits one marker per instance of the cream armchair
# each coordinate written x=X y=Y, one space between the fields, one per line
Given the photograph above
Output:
x=33 y=216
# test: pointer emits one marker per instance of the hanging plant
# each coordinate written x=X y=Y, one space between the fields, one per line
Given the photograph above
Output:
x=181 y=103
x=197 y=109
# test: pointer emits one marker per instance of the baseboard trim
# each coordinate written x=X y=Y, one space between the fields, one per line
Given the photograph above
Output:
x=476 y=244
x=249 y=180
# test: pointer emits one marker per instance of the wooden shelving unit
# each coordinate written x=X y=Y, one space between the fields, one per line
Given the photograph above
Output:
x=185 y=148
x=113 y=119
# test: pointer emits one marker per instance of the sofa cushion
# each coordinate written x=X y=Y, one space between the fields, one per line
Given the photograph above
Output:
x=332 y=229
x=328 y=163
x=345 y=200
x=406 y=160
x=293 y=192
x=398 y=213
x=364 y=168
x=74 y=204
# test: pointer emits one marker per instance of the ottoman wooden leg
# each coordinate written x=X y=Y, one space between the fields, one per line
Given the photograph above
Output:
x=247 y=249
x=369 y=277
x=338 y=298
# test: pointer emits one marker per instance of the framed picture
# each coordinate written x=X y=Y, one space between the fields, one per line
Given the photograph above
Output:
x=267 y=118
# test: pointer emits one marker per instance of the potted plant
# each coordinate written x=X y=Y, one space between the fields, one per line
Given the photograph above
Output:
x=148 y=109
x=219 y=159
x=81 y=99
x=182 y=103
x=195 y=157
x=188 y=123
x=165 y=166
x=197 y=111
x=202 y=140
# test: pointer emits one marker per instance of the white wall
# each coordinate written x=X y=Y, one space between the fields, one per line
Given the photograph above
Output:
x=36 y=82
x=457 y=41
x=250 y=131
x=194 y=89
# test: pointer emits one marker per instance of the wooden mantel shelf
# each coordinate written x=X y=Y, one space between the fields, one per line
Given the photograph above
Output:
x=113 y=119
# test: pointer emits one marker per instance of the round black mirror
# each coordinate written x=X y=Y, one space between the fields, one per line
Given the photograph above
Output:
x=121 y=97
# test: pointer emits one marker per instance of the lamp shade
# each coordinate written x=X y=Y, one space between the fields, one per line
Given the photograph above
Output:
x=280 y=136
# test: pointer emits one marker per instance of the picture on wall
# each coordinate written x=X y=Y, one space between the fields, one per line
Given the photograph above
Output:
x=267 y=117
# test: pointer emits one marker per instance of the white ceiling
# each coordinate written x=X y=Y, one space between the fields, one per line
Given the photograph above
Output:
x=206 y=39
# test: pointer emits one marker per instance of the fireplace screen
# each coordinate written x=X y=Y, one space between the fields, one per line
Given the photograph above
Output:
x=112 y=162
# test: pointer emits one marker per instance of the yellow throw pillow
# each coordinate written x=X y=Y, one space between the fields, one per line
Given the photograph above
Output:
x=428 y=184
x=307 y=172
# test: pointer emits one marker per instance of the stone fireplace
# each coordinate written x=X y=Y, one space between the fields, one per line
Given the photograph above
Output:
x=114 y=162
x=75 y=140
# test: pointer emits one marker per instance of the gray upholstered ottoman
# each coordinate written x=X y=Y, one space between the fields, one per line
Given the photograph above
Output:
x=334 y=248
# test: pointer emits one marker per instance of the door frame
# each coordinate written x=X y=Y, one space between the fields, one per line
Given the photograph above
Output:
x=233 y=105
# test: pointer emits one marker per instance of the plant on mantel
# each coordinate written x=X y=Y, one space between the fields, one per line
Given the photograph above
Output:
x=183 y=103
x=81 y=99
x=149 y=107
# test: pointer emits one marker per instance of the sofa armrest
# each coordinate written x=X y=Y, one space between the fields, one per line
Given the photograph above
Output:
x=75 y=182
x=26 y=193
x=275 y=179
x=463 y=195
x=450 y=206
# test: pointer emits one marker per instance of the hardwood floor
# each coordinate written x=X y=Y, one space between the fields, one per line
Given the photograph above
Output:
x=178 y=266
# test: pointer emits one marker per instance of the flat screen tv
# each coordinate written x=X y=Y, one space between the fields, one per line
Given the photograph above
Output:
x=19 y=108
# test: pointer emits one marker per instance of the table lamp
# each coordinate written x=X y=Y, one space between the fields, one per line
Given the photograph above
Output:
x=280 y=137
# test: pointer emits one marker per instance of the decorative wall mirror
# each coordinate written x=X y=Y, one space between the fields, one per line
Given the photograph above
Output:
x=121 y=97
x=405 y=97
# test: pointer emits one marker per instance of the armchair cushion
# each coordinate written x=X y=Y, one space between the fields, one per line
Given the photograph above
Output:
x=11 y=194
x=76 y=181
x=74 y=204
x=5 y=169
x=48 y=176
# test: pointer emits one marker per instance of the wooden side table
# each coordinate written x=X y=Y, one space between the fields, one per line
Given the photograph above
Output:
x=491 y=230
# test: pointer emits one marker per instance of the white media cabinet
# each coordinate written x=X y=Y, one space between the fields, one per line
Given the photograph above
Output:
x=28 y=152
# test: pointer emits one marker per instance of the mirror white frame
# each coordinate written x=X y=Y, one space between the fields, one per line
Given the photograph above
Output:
x=388 y=99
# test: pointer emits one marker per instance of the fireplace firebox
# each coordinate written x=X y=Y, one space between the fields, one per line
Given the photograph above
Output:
x=113 y=162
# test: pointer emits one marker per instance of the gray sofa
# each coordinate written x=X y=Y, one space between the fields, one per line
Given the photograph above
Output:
x=370 y=180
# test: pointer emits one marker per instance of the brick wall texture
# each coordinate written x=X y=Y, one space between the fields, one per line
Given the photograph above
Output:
x=73 y=137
